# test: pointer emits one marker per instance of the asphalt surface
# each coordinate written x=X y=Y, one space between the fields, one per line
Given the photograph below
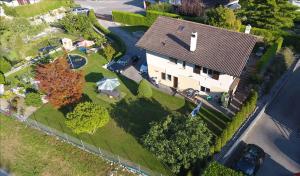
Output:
x=106 y=6
x=130 y=40
x=278 y=131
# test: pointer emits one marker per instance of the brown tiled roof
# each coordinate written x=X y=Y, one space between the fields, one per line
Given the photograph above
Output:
x=214 y=3
x=217 y=49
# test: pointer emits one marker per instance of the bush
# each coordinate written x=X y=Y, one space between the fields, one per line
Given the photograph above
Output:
x=216 y=169
x=288 y=56
x=87 y=117
x=144 y=89
x=128 y=18
x=269 y=55
x=4 y=65
x=33 y=99
x=237 y=121
x=161 y=7
x=108 y=52
x=2 y=78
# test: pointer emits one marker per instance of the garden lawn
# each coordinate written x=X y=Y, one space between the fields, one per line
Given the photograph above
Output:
x=26 y=151
x=130 y=116
x=44 y=6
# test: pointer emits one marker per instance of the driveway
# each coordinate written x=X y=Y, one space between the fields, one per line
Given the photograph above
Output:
x=106 y=6
x=278 y=131
x=133 y=71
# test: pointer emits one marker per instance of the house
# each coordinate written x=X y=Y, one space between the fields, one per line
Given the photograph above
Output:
x=183 y=54
x=14 y=3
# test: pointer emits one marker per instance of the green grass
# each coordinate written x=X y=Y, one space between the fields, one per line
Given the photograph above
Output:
x=39 y=8
x=131 y=29
x=131 y=116
x=26 y=151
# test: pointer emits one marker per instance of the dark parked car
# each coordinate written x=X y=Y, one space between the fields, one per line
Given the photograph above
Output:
x=251 y=159
x=123 y=63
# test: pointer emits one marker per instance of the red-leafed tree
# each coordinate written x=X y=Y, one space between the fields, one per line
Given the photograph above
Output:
x=61 y=84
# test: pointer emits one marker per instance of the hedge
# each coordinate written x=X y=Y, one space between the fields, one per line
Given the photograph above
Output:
x=237 y=121
x=109 y=34
x=2 y=78
x=268 y=55
x=33 y=99
x=139 y=20
x=5 y=65
x=129 y=18
x=216 y=169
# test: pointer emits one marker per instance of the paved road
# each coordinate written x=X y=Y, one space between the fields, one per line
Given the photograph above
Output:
x=278 y=131
x=132 y=50
x=106 y=6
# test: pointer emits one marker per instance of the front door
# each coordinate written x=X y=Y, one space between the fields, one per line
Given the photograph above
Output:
x=175 y=82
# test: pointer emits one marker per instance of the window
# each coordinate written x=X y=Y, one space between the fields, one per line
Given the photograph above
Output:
x=215 y=75
x=204 y=89
x=183 y=64
x=210 y=71
x=169 y=77
x=173 y=60
x=204 y=70
x=163 y=76
x=197 y=69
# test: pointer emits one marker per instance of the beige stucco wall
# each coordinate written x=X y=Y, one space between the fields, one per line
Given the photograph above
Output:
x=186 y=78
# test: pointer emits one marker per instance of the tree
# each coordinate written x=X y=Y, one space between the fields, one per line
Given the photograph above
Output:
x=62 y=85
x=4 y=65
x=2 y=78
x=87 y=117
x=216 y=169
x=223 y=17
x=179 y=141
x=33 y=99
x=144 y=89
x=108 y=52
x=192 y=7
x=268 y=14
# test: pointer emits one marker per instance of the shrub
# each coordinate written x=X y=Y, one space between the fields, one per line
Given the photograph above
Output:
x=128 y=18
x=92 y=16
x=237 y=121
x=216 y=169
x=87 y=117
x=33 y=99
x=144 y=89
x=2 y=78
x=288 y=56
x=108 y=52
x=5 y=66
x=269 y=55
x=161 y=7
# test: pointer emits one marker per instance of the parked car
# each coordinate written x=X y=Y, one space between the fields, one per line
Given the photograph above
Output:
x=123 y=63
x=251 y=159
x=80 y=10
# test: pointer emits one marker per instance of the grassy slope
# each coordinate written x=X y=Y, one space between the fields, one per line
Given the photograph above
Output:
x=40 y=8
x=28 y=152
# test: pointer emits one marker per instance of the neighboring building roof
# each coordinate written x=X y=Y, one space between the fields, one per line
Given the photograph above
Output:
x=217 y=49
x=215 y=3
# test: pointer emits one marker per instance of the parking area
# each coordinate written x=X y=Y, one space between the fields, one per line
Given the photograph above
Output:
x=105 y=7
x=278 y=131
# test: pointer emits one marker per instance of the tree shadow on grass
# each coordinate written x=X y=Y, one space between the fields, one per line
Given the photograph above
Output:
x=93 y=77
x=135 y=116
x=130 y=84
x=70 y=107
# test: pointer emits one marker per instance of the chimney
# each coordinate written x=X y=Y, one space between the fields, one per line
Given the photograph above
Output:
x=248 y=29
x=193 y=41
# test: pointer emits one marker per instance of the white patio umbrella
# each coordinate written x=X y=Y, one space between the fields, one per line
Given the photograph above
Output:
x=107 y=84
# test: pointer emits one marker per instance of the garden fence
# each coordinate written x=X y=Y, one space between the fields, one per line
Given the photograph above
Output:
x=112 y=158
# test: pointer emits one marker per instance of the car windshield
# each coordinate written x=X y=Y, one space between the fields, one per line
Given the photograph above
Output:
x=246 y=166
